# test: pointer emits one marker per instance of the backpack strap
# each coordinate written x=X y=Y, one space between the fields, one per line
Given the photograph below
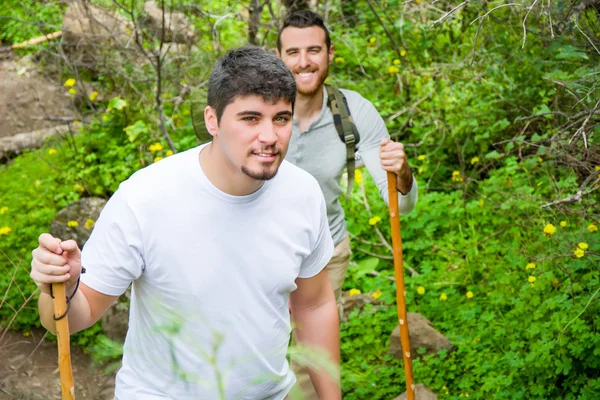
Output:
x=346 y=129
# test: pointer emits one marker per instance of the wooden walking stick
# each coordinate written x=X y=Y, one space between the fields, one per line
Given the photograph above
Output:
x=63 y=339
x=399 y=272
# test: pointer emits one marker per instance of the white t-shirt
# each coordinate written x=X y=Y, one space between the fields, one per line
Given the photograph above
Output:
x=212 y=275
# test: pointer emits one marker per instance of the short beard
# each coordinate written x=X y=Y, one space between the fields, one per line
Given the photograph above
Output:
x=319 y=85
x=260 y=176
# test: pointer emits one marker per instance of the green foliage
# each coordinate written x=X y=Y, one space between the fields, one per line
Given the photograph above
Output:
x=24 y=20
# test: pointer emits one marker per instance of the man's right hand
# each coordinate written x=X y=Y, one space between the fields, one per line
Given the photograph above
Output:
x=55 y=261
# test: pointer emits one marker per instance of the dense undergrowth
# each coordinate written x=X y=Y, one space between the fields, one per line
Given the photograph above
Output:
x=493 y=131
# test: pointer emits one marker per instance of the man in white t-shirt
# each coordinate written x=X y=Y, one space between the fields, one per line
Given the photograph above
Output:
x=215 y=241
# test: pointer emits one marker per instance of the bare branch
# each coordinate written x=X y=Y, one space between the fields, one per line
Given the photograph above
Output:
x=587 y=37
x=447 y=15
x=577 y=197
x=387 y=32
x=525 y=20
x=581 y=129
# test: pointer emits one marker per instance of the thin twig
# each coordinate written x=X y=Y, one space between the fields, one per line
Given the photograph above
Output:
x=577 y=197
x=445 y=16
x=582 y=127
x=586 y=36
x=582 y=311
x=387 y=32
x=525 y=20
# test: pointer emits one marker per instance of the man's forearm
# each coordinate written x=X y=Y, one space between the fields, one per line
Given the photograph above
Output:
x=79 y=313
x=318 y=328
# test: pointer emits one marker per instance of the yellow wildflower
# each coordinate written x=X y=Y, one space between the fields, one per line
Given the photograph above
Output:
x=89 y=224
x=353 y=292
x=93 y=95
x=70 y=82
x=592 y=228
x=374 y=220
x=583 y=245
x=470 y=295
x=5 y=230
x=456 y=176
x=418 y=1
x=72 y=224
x=340 y=60
x=474 y=160
x=157 y=159
x=481 y=203
x=531 y=279
x=76 y=123
x=402 y=53
x=155 y=147
x=549 y=230
x=422 y=157
x=597 y=168
x=79 y=188
x=3 y=210
x=358 y=178
x=73 y=91
x=376 y=294
x=393 y=69
x=396 y=62
x=208 y=47
x=530 y=266
x=579 y=252
x=563 y=223
x=52 y=151
x=421 y=290
x=443 y=297
x=169 y=153
x=372 y=40
x=540 y=160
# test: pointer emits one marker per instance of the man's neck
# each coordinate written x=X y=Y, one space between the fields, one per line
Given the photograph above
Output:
x=307 y=108
x=225 y=176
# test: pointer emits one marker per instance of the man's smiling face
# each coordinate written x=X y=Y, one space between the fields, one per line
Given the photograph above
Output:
x=305 y=53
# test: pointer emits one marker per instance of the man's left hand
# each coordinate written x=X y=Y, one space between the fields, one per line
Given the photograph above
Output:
x=393 y=159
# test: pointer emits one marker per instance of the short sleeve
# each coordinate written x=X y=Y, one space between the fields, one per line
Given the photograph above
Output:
x=322 y=250
x=113 y=255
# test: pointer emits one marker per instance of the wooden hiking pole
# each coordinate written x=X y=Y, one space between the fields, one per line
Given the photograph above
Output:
x=399 y=272
x=63 y=339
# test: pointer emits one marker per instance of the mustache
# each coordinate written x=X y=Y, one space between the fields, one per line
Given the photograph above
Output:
x=266 y=150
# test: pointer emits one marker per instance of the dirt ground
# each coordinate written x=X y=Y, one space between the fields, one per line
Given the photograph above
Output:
x=28 y=100
x=29 y=370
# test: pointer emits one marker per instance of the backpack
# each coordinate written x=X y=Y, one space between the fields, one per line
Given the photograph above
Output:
x=347 y=131
x=336 y=101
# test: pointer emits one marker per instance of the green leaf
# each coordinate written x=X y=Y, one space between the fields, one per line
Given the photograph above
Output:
x=493 y=155
x=133 y=131
x=116 y=103
x=365 y=266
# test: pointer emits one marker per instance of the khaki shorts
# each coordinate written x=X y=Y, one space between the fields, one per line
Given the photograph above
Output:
x=336 y=269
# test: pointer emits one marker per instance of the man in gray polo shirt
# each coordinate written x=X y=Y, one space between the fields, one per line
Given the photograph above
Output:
x=305 y=47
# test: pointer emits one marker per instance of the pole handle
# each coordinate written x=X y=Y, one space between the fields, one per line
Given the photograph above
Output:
x=63 y=340
x=400 y=289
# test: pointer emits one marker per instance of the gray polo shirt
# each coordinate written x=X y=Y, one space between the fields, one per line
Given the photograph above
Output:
x=320 y=152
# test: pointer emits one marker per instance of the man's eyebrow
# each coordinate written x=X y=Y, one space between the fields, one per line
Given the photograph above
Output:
x=249 y=112
x=317 y=47
x=286 y=112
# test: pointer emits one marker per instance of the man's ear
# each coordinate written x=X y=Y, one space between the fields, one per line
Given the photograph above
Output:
x=210 y=119
x=331 y=51
x=277 y=53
